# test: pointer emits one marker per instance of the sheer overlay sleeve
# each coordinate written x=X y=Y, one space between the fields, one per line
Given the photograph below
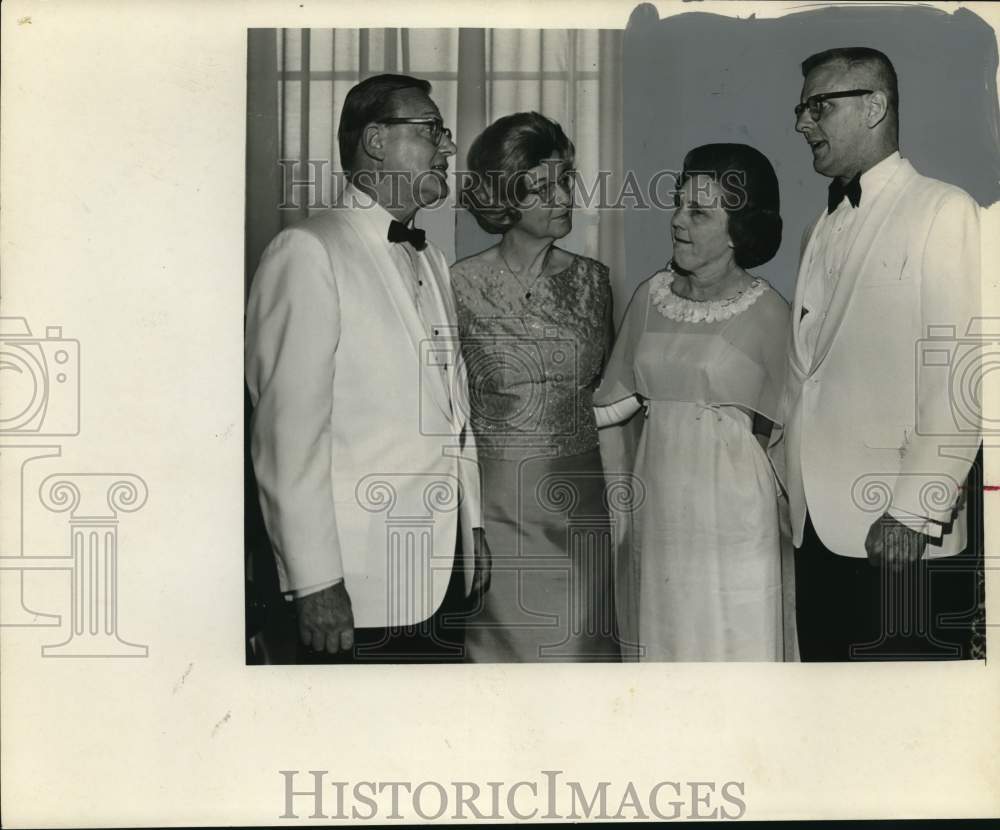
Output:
x=619 y=381
x=775 y=332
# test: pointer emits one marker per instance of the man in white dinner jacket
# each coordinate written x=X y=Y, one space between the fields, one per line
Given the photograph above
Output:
x=364 y=460
x=876 y=465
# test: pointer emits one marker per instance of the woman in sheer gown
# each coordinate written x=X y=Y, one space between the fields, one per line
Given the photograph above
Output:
x=697 y=369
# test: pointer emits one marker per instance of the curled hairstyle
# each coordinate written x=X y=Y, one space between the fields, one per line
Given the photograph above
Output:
x=374 y=98
x=749 y=196
x=495 y=182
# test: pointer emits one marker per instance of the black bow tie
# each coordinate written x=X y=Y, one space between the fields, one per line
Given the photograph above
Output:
x=837 y=192
x=398 y=232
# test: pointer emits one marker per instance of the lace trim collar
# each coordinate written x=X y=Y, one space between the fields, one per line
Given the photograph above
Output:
x=683 y=310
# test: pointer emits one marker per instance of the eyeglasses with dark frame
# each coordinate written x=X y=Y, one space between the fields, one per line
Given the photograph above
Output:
x=814 y=103
x=438 y=129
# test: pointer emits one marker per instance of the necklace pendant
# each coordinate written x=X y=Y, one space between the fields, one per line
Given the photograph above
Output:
x=527 y=295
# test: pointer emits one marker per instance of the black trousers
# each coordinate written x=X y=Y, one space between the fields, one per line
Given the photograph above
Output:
x=848 y=610
x=931 y=610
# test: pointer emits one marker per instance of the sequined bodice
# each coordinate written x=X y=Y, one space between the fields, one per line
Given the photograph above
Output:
x=533 y=362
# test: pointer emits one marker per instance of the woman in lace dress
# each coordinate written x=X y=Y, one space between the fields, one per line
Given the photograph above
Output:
x=535 y=323
x=699 y=363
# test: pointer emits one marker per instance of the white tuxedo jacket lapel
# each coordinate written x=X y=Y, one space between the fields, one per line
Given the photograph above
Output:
x=395 y=286
x=798 y=360
x=860 y=246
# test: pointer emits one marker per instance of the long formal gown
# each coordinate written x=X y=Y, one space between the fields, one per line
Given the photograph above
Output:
x=701 y=567
x=534 y=356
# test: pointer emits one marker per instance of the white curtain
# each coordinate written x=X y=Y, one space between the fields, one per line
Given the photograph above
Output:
x=478 y=75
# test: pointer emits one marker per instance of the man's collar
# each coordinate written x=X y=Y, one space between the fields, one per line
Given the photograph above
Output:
x=375 y=216
x=863 y=188
x=875 y=178
x=367 y=207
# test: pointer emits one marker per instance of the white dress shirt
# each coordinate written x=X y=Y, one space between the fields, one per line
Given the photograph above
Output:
x=827 y=253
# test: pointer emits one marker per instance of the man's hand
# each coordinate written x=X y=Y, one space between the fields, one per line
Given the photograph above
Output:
x=484 y=562
x=893 y=543
x=326 y=621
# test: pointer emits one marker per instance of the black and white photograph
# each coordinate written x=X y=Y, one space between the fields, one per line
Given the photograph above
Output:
x=539 y=371
x=498 y=412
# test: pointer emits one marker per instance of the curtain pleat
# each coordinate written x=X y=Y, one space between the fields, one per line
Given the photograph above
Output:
x=472 y=120
x=334 y=154
x=611 y=227
x=263 y=180
x=305 y=90
x=363 y=54
x=390 y=50
x=471 y=88
x=404 y=40
x=571 y=82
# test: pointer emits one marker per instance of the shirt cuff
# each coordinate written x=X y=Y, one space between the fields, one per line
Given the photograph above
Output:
x=617 y=412
x=921 y=524
x=298 y=593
